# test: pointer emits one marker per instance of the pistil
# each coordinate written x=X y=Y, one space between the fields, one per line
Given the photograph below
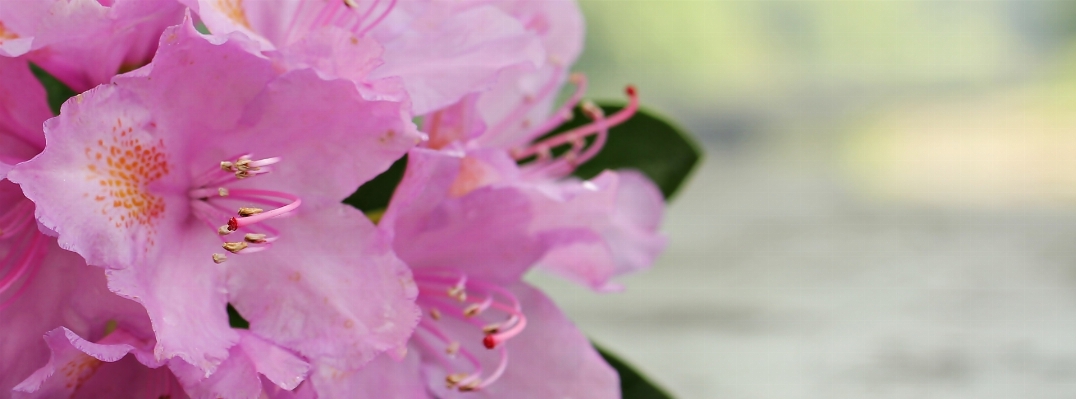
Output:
x=211 y=201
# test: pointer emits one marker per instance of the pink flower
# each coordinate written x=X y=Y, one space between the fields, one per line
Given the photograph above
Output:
x=85 y=42
x=605 y=227
x=484 y=332
x=211 y=147
x=439 y=50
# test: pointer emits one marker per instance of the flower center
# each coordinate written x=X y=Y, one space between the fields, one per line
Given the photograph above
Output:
x=21 y=262
x=449 y=295
x=214 y=200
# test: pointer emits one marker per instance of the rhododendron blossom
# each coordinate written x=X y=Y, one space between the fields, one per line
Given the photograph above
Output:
x=483 y=330
x=151 y=177
x=607 y=226
x=85 y=42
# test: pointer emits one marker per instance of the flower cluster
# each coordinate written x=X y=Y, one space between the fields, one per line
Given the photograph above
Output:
x=201 y=172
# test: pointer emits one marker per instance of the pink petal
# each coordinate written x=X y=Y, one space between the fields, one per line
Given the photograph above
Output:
x=64 y=292
x=606 y=227
x=447 y=54
x=331 y=289
x=383 y=377
x=23 y=108
x=82 y=369
x=84 y=43
x=184 y=294
x=242 y=374
x=485 y=231
x=560 y=26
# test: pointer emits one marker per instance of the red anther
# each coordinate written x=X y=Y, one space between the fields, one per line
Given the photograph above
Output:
x=233 y=224
x=489 y=342
x=630 y=90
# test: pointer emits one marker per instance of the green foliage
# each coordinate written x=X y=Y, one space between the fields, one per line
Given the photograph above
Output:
x=646 y=142
x=374 y=196
x=236 y=320
x=632 y=384
x=57 y=91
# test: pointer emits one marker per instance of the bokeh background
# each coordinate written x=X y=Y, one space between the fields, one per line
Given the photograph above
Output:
x=887 y=208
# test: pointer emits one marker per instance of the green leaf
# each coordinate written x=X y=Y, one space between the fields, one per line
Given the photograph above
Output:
x=646 y=142
x=374 y=196
x=236 y=320
x=632 y=384
x=57 y=91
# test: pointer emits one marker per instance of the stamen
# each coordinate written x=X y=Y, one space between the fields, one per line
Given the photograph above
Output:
x=234 y=247
x=576 y=155
x=439 y=292
x=254 y=238
x=244 y=212
x=219 y=258
x=453 y=379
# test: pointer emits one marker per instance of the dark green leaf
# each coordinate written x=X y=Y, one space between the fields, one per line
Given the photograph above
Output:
x=632 y=384
x=57 y=91
x=374 y=196
x=646 y=142
x=236 y=320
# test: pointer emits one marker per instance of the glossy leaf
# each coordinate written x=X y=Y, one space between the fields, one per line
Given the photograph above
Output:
x=373 y=197
x=236 y=320
x=633 y=385
x=57 y=91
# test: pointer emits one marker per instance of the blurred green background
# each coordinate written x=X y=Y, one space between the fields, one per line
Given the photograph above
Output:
x=887 y=207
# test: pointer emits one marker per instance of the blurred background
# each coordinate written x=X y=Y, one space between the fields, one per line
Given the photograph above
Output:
x=887 y=208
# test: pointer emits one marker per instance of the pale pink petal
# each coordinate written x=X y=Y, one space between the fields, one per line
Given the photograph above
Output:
x=23 y=108
x=606 y=227
x=93 y=186
x=335 y=53
x=241 y=375
x=560 y=25
x=64 y=291
x=383 y=377
x=458 y=123
x=266 y=115
x=331 y=290
x=480 y=229
x=446 y=54
x=184 y=294
x=279 y=366
x=83 y=42
x=78 y=368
